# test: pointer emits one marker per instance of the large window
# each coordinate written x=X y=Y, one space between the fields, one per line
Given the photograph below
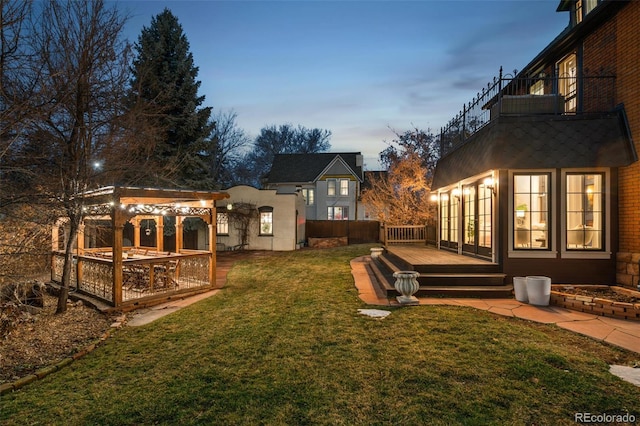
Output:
x=568 y=83
x=585 y=212
x=266 y=220
x=444 y=217
x=531 y=211
x=337 y=213
x=222 y=223
x=309 y=196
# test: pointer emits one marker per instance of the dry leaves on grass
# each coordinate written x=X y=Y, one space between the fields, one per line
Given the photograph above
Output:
x=36 y=341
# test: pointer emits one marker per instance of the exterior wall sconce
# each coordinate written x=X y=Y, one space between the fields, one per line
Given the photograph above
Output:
x=456 y=193
x=490 y=184
x=433 y=198
x=229 y=206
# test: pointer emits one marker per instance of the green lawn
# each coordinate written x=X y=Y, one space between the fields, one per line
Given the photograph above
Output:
x=283 y=343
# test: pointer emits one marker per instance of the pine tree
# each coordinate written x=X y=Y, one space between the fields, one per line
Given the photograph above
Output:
x=164 y=76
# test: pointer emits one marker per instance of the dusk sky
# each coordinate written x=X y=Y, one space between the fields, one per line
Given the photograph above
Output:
x=356 y=68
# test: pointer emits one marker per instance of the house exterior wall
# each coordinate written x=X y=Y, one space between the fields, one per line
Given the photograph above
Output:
x=324 y=201
x=288 y=219
x=614 y=49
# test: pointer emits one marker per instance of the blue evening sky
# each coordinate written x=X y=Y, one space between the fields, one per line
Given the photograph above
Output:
x=356 y=68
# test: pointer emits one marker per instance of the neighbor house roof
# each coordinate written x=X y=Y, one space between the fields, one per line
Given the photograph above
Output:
x=303 y=168
x=540 y=142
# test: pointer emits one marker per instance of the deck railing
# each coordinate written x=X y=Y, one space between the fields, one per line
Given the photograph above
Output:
x=507 y=95
x=405 y=234
x=141 y=278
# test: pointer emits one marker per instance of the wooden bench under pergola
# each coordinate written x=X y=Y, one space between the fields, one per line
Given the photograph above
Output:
x=125 y=273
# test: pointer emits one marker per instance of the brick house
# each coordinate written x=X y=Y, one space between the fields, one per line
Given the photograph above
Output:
x=539 y=173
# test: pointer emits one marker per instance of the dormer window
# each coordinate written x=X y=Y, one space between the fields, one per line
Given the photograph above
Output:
x=579 y=9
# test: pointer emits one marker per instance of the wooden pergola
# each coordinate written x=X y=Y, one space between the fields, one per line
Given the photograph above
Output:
x=132 y=274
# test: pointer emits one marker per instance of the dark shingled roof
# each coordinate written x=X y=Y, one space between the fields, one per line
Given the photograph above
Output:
x=538 y=142
x=300 y=168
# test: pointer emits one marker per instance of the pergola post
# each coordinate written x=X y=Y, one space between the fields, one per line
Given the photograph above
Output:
x=80 y=251
x=118 y=221
x=212 y=249
x=160 y=233
x=136 y=232
x=179 y=236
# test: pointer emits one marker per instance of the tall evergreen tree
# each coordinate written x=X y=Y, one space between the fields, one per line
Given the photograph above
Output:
x=164 y=76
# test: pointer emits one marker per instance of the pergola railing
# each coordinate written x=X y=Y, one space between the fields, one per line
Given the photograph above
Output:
x=170 y=273
x=125 y=275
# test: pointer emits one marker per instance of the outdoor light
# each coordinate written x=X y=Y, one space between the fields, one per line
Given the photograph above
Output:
x=434 y=197
x=488 y=182
x=229 y=206
x=456 y=193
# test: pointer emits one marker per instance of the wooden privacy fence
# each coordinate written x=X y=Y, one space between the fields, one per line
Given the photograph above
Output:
x=357 y=232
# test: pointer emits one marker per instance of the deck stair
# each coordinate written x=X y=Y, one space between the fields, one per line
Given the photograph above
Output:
x=461 y=277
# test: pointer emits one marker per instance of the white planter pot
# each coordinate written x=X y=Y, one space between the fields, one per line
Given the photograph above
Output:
x=407 y=285
x=539 y=290
x=520 y=289
x=376 y=252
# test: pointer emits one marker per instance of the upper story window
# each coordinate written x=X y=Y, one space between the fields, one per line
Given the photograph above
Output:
x=583 y=7
x=585 y=211
x=266 y=220
x=337 y=187
x=222 y=223
x=331 y=187
x=309 y=196
x=537 y=88
x=344 y=186
x=568 y=81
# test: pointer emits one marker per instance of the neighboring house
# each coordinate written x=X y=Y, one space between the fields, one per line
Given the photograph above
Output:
x=329 y=182
x=260 y=219
x=539 y=173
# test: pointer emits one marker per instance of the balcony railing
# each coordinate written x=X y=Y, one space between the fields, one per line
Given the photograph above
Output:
x=510 y=96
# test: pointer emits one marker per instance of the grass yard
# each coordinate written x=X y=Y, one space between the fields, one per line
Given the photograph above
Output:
x=283 y=343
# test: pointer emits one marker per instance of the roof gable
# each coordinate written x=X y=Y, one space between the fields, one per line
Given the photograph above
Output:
x=306 y=168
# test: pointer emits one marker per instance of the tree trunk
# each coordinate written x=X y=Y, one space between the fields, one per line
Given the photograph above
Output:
x=68 y=264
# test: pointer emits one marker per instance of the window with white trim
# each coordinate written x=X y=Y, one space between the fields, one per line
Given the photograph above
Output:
x=309 y=196
x=222 y=223
x=344 y=187
x=337 y=213
x=531 y=211
x=331 y=187
x=585 y=209
x=266 y=220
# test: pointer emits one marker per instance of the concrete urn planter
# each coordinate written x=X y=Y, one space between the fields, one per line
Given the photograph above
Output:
x=376 y=252
x=407 y=285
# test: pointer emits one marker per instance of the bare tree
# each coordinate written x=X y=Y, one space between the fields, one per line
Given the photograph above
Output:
x=79 y=72
x=225 y=148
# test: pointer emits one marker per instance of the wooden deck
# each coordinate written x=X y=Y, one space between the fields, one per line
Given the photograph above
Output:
x=425 y=255
x=441 y=272
x=427 y=259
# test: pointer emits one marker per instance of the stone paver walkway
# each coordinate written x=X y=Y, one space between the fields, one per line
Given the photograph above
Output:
x=621 y=333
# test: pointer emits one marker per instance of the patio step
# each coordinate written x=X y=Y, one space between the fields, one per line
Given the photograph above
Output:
x=482 y=285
